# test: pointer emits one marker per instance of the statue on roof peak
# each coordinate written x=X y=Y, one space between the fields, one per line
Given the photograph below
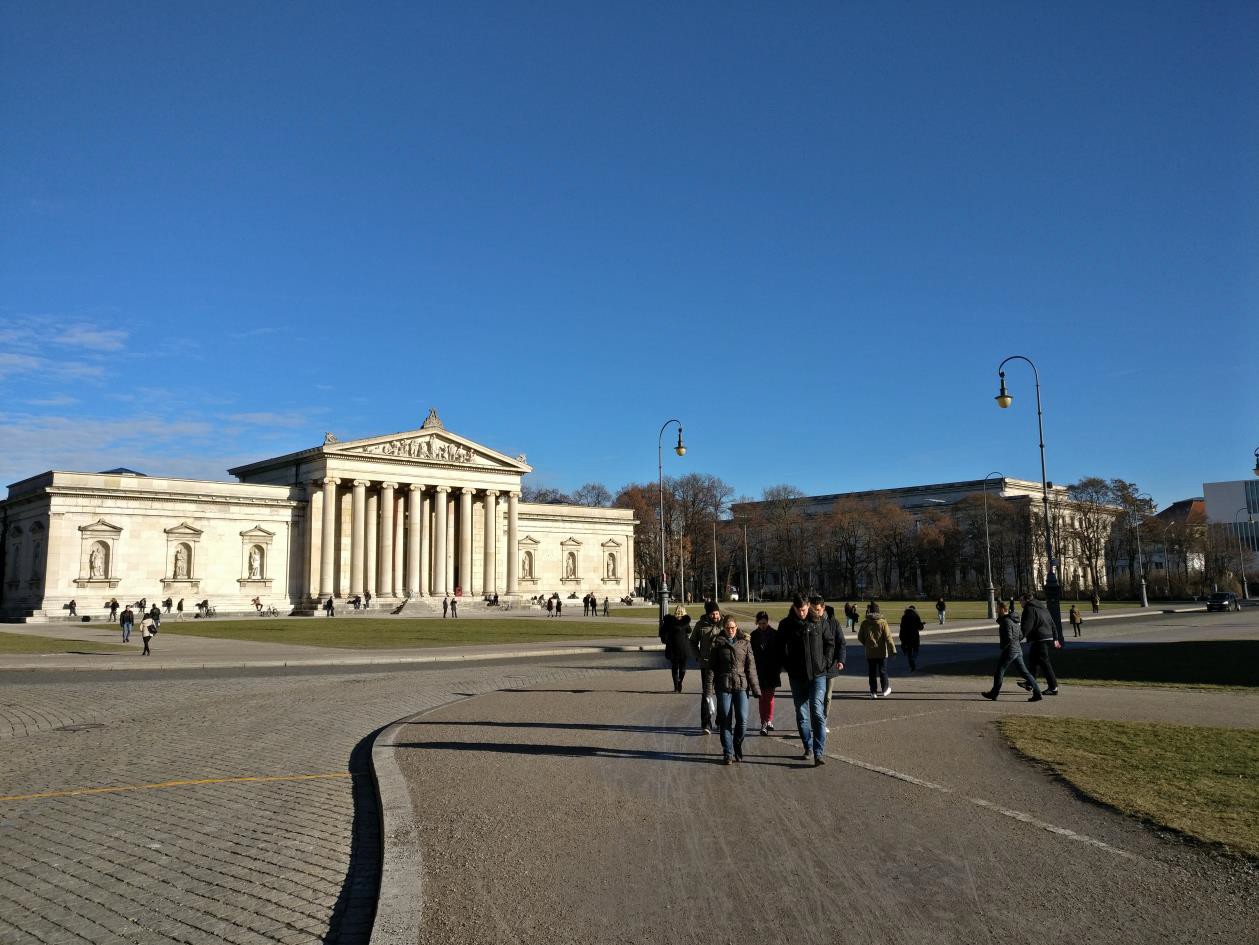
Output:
x=432 y=421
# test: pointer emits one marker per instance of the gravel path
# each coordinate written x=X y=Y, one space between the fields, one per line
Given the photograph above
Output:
x=600 y=815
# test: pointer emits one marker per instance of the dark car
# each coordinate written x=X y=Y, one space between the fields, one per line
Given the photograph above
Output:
x=1223 y=600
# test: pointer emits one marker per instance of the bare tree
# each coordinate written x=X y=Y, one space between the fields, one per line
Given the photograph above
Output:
x=593 y=494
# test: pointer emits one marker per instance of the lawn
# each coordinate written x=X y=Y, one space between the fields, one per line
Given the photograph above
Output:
x=17 y=643
x=892 y=609
x=382 y=633
x=1197 y=664
x=1202 y=782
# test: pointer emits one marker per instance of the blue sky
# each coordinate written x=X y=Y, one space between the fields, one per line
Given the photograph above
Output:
x=810 y=231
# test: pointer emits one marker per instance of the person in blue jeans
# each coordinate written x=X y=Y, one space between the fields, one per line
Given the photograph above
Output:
x=809 y=653
x=126 y=622
x=1011 y=656
x=734 y=676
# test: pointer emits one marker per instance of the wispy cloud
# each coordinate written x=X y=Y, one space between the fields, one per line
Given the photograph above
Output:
x=90 y=337
x=57 y=400
x=17 y=363
x=255 y=332
x=291 y=419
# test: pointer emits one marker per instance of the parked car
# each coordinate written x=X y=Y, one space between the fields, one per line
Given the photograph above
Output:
x=1223 y=600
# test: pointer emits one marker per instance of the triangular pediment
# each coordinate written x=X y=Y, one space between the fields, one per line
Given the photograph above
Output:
x=101 y=527
x=430 y=447
x=257 y=533
x=184 y=530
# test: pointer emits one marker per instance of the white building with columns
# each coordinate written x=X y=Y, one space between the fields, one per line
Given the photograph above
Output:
x=406 y=517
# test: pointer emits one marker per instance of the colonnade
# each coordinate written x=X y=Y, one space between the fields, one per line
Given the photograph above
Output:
x=403 y=539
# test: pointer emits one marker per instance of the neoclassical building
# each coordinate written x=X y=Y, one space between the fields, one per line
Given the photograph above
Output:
x=411 y=516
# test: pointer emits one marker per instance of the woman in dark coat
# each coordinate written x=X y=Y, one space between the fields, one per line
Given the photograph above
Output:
x=767 y=651
x=734 y=679
x=911 y=628
x=675 y=632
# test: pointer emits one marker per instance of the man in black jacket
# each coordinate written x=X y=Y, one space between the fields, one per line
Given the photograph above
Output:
x=1011 y=656
x=808 y=641
x=1039 y=631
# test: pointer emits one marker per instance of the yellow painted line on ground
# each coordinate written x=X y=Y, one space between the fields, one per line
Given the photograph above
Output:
x=80 y=792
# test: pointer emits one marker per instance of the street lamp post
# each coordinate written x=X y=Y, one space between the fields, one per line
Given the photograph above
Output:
x=992 y=600
x=1053 y=591
x=1145 y=599
x=1241 y=555
x=681 y=451
x=1257 y=460
x=747 y=580
x=1167 y=559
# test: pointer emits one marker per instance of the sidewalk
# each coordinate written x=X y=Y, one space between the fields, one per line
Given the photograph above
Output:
x=175 y=651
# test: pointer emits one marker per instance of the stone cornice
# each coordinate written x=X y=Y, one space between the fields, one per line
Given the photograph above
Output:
x=164 y=497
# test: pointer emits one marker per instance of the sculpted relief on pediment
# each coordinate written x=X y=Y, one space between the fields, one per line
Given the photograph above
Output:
x=423 y=447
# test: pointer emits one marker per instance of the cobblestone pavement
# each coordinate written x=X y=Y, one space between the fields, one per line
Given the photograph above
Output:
x=207 y=807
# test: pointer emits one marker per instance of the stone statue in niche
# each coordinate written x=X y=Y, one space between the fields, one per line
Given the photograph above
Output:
x=255 y=564
x=611 y=565
x=96 y=564
x=526 y=566
x=181 y=563
x=570 y=566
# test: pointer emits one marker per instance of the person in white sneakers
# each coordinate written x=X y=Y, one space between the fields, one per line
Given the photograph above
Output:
x=875 y=636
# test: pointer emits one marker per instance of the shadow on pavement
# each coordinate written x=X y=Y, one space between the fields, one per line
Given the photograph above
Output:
x=564 y=751
x=355 y=908
x=569 y=726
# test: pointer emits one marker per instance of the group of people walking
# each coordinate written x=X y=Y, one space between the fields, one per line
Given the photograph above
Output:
x=808 y=646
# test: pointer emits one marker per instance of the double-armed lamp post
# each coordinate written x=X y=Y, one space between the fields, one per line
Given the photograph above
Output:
x=1053 y=591
x=681 y=451
x=1145 y=597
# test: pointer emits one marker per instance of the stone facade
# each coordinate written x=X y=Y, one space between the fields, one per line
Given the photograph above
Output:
x=408 y=516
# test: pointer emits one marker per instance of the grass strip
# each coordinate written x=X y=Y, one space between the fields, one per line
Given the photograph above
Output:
x=1197 y=664
x=11 y=643
x=371 y=633
x=1200 y=782
x=892 y=609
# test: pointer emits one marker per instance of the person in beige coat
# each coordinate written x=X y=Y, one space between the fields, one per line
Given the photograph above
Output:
x=875 y=636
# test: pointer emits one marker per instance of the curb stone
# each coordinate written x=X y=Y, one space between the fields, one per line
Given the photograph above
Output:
x=401 y=897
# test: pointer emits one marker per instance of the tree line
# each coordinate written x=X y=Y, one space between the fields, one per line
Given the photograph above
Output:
x=1105 y=537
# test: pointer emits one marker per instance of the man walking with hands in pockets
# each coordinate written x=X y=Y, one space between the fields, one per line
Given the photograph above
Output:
x=808 y=656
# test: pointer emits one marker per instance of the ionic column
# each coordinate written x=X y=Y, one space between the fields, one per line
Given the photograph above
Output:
x=489 y=573
x=399 y=546
x=415 y=520
x=369 y=566
x=384 y=582
x=329 y=537
x=440 y=573
x=423 y=546
x=452 y=519
x=358 y=525
x=314 y=522
x=513 y=542
x=465 y=539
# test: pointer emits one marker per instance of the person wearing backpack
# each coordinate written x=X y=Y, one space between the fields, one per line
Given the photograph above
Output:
x=148 y=629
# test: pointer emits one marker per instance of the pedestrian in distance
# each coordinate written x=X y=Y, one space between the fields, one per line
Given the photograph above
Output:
x=148 y=629
x=675 y=634
x=876 y=637
x=445 y=607
x=808 y=643
x=941 y=608
x=327 y=607
x=734 y=677
x=367 y=600
x=125 y=623
x=179 y=609
x=851 y=616
x=767 y=652
x=911 y=635
x=1037 y=627
x=703 y=634
x=828 y=613
x=454 y=608
x=74 y=608
x=1011 y=657
x=167 y=605
x=606 y=610
x=559 y=607
x=1076 y=620
x=113 y=610
x=1096 y=601
x=550 y=606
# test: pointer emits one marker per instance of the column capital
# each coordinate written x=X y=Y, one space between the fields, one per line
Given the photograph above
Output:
x=388 y=485
x=441 y=488
x=362 y=483
x=329 y=481
x=467 y=490
x=513 y=495
x=492 y=492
